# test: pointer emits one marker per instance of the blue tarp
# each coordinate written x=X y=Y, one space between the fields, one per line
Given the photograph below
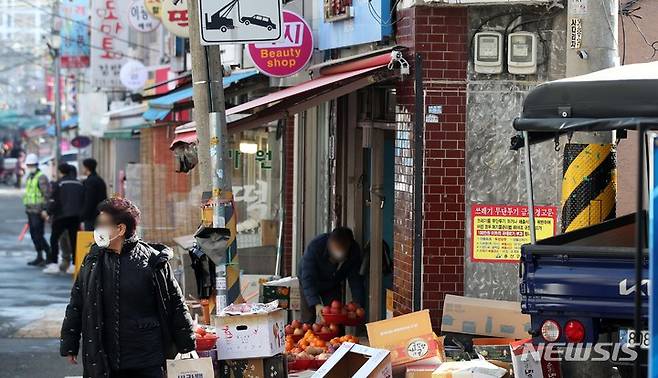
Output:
x=161 y=106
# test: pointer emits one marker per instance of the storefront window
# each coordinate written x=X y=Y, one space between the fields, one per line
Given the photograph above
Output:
x=335 y=10
x=255 y=159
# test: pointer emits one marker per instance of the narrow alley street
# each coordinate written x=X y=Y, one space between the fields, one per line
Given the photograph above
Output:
x=31 y=303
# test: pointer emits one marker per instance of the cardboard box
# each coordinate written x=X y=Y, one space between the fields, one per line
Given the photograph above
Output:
x=531 y=363
x=285 y=290
x=357 y=361
x=250 y=335
x=423 y=368
x=409 y=337
x=485 y=317
x=276 y=366
x=269 y=232
x=250 y=286
x=469 y=369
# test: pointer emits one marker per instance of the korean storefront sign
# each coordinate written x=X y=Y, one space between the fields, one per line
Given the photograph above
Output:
x=75 y=34
x=175 y=17
x=154 y=7
x=499 y=231
x=288 y=56
x=140 y=19
x=110 y=35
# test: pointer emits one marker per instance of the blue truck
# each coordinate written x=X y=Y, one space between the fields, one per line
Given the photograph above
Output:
x=592 y=285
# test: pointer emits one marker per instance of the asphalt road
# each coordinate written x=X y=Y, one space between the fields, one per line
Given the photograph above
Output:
x=27 y=297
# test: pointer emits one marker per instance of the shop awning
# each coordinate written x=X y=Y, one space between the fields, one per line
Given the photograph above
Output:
x=160 y=107
x=303 y=96
x=300 y=97
x=184 y=134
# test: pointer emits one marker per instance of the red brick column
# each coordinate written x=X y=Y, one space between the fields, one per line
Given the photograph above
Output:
x=439 y=34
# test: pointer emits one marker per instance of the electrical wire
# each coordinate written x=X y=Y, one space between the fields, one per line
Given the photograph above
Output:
x=653 y=45
x=379 y=19
x=87 y=25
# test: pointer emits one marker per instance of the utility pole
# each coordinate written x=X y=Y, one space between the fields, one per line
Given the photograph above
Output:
x=589 y=176
x=212 y=133
x=55 y=51
x=589 y=169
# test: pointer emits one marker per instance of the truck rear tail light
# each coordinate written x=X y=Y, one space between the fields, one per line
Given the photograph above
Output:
x=574 y=331
x=550 y=331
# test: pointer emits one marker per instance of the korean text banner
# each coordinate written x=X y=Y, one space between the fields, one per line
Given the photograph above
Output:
x=109 y=41
x=75 y=33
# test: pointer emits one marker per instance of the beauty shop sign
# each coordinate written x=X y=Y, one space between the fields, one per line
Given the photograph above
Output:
x=289 y=55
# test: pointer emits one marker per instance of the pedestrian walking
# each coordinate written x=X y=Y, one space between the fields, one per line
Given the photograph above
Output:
x=64 y=208
x=125 y=302
x=20 y=168
x=95 y=193
x=35 y=200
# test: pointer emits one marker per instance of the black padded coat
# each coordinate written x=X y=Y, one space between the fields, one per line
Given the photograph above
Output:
x=84 y=313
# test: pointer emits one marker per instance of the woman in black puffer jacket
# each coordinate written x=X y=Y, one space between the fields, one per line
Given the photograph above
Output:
x=125 y=303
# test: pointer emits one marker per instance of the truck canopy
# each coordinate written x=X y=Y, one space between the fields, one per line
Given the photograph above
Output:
x=616 y=98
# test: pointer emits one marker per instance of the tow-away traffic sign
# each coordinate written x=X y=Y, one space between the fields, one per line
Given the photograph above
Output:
x=239 y=21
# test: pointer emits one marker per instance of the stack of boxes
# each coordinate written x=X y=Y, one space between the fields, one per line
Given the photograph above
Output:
x=252 y=345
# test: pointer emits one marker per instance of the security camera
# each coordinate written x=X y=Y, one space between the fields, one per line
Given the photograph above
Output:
x=582 y=54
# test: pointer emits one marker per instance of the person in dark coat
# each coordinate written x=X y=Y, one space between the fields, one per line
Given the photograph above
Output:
x=329 y=260
x=64 y=209
x=95 y=193
x=125 y=303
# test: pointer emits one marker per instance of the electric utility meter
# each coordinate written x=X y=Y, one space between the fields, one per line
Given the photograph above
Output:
x=522 y=53
x=489 y=52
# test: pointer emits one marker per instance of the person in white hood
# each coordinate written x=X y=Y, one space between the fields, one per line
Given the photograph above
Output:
x=37 y=191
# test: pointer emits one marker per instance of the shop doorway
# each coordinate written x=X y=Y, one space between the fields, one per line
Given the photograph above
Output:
x=378 y=213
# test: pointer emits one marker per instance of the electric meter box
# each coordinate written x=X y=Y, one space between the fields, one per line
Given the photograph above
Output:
x=488 y=52
x=522 y=53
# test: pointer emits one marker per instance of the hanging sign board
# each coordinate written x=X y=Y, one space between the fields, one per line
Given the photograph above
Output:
x=140 y=19
x=133 y=75
x=75 y=34
x=154 y=7
x=175 y=17
x=499 y=231
x=231 y=21
x=109 y=36
x=289 y=55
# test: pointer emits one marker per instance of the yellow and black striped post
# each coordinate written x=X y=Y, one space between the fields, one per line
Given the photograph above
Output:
x=589 y=185
x=233 y=293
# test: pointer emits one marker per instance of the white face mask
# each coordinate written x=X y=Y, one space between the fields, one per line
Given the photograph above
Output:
x=31 y=169
x=102 y=237
x=338 y=255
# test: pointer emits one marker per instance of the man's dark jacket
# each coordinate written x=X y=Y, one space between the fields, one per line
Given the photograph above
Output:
x=84 y=314
x=95 y=193
x=66 y=198
x=321 y=279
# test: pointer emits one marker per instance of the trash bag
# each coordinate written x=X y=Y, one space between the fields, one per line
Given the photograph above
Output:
x=213 y=242
x=204 y=272
x=186 y=157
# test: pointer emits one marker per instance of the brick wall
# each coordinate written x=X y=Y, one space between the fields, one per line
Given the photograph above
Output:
x=439 y=34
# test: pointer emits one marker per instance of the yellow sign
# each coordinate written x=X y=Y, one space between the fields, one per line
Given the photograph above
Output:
x=82 y=246
x=499 y=231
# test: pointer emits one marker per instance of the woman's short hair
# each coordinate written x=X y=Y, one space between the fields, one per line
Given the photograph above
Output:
x=122 y=211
